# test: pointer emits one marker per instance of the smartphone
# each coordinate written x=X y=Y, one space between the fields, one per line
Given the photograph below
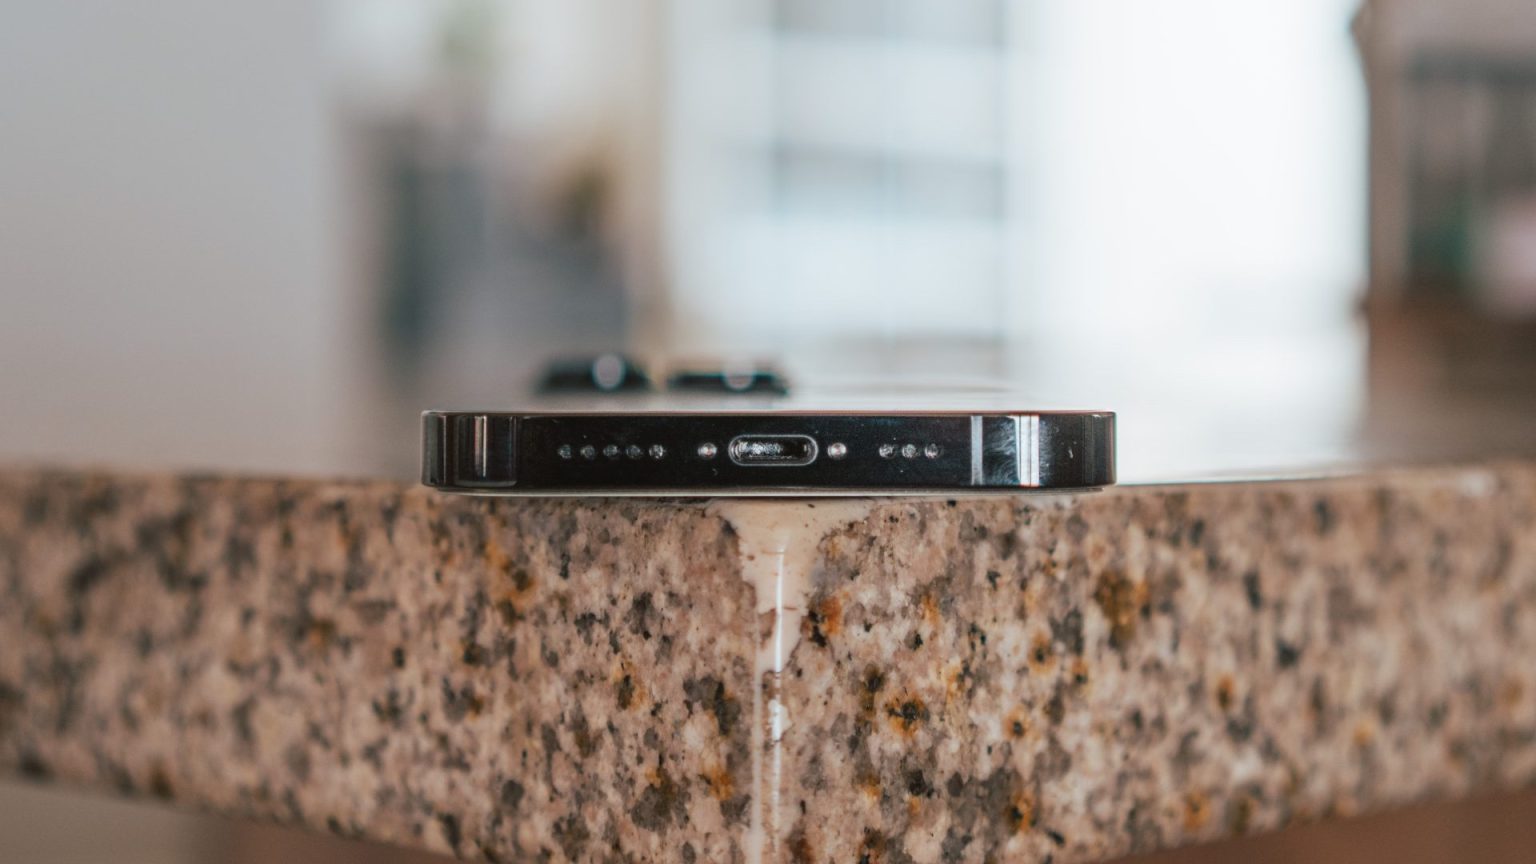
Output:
x=739 y=452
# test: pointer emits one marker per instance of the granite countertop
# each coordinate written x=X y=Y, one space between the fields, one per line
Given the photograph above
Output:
x=1049 y=678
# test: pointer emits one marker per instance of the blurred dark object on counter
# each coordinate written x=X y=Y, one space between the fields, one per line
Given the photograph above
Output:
x=605 y=373
x=728 y=378
x=617 y=373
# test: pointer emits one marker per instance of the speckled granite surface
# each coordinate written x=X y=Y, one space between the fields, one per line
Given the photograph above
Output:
x=991 y=679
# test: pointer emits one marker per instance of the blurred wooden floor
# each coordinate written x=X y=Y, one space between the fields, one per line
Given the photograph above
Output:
x=48 y=826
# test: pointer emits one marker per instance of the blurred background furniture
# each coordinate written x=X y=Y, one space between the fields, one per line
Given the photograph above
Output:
x=1452 y=301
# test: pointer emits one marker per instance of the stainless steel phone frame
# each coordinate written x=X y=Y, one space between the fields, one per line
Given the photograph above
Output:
x=684 y=453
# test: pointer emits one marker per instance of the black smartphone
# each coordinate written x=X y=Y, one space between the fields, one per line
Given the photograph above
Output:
x=765 y=452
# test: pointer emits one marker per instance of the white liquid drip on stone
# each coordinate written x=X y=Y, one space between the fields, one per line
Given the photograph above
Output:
x=778 y=542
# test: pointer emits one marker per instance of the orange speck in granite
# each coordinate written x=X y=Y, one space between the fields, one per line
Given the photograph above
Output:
x=720 y=782
x=629 y=688
x=929 y=605
x=870 y=684
x=495 y=556
x=320 y=633
x=500 y=564
x=1197 y=811
x=1121 y=599
x=1511 y=693
x=1224 y=690
x=825 y=620
x=1040 y=653
x=1364 y=734
x=800 y=851
x=956 y=682
x=869 y=784
x=1021 y=812
x=1080 y=672
x=1016 y=725
x=1242 y=816
x=906 y=714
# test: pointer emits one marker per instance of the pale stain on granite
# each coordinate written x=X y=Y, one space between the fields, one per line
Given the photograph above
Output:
x=778 y=547
x=1034 y=678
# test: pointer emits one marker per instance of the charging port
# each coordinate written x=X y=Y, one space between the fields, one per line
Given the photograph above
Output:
x=773 y=450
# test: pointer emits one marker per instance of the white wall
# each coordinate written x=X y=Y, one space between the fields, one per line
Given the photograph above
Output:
x=1194 y=235
x=168 y=262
